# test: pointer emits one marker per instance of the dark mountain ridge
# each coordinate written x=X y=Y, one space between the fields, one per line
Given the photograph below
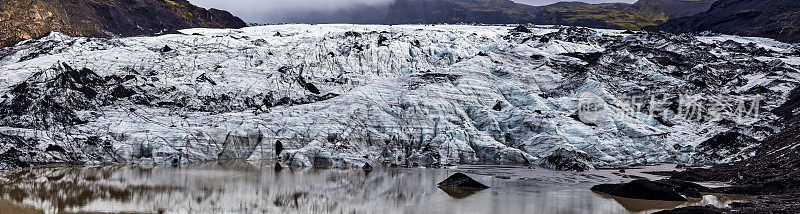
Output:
x=611 y=15
x=28 y=19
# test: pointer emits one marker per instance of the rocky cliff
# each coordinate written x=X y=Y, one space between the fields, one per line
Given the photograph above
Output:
x=778 y=19
x=678 y=8
x=28 y=19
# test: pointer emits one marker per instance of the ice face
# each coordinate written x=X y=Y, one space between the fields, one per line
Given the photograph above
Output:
x=342 y=95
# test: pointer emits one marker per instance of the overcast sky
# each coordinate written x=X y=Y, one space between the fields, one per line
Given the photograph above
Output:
x=275 y=10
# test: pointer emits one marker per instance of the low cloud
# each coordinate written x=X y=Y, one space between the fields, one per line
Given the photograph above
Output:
x=274 y=11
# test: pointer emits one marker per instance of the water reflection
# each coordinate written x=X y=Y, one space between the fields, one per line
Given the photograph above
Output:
x=639 y=205
x=247 y=187
x=459 y=193
x=643 y=206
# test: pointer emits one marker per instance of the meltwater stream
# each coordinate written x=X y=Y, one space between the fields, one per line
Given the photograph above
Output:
x=256 y=187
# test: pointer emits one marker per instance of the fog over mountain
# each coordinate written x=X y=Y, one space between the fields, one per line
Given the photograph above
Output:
x=278 y=11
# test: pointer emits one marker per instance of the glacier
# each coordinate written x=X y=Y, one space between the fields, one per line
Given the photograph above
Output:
x=409 y=95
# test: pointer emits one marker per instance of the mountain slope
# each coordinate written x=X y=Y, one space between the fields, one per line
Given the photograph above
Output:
x=678 y=8
x=777 y=19
x=635 y=16
x=27 y=19
x=611 y=15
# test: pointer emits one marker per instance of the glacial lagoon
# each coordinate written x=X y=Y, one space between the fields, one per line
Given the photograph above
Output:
x=258 y=187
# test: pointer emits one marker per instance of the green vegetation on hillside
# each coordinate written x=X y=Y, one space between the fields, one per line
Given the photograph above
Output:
x=611 y=15
x=642 y=14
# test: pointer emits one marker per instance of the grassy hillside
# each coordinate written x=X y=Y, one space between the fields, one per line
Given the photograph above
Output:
x=643 y=13
x=611 y=15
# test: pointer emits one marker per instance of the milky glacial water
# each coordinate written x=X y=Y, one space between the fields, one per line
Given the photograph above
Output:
x=257 y=187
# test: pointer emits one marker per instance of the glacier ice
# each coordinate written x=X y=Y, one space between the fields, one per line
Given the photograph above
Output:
x=345 y=95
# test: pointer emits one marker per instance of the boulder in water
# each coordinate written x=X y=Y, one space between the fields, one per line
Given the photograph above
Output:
x=460 y=185
x=460 y=180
